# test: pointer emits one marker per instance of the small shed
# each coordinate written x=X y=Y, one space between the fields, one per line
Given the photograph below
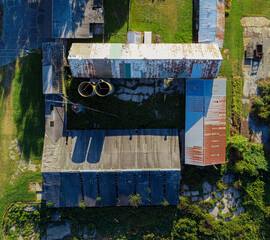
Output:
x=134 y=37
x=147 y=37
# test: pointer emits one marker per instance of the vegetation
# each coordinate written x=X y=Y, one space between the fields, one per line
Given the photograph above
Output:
x=158 y=111
x=116 y=20
x=28 y=106
x=21 y=100
x=246 y=158
x=261 y=103
x=236 y=107
x=135 y=200
x=171 y=19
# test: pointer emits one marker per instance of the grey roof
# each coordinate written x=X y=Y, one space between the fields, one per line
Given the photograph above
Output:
x=113 y=150
x=72 y=18
x=53 y=67
x=54 y=117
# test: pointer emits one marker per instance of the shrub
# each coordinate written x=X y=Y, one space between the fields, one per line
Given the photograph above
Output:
x=135 y=200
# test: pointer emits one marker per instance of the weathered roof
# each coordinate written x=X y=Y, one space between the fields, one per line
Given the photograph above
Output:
x=72 y=18
x=211 y=22
x=205 y=130
x=113 y=150
x=53 y=67
x=54 y=117
x=134 y=37
x=144 y=51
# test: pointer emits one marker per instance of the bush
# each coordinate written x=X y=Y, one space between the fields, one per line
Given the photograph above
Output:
x=185 y=229
x=135 y=200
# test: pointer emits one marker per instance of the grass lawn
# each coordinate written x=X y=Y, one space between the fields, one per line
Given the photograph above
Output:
x=172 y=19
x=116 y=20
x=158 y=111
x=21 y=100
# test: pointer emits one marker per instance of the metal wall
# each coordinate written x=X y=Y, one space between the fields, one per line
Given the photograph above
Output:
x=144 y=68
x=111 y=188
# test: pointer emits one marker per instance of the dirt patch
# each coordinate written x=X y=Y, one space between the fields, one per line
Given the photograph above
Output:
x=256 y=31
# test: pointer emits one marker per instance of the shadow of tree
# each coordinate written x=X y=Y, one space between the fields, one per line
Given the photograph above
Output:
x=28 y=106
x=116 y=16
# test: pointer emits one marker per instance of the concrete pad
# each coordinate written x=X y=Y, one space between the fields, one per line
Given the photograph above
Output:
x=125 y=97
x=195 y=193
x=207 y=188
x=194 y=199
x=214 y=211
x=185 y=187
x=186 y=194
x=208 y=197
x=59 y=231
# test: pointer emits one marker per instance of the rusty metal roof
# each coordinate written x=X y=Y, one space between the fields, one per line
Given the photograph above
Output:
x=205 y=136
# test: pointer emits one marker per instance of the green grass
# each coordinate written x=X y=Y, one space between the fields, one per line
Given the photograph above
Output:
x=18 y=192
x=257 y=8
x=28 y=106
x=116 y=20
x=171 y=19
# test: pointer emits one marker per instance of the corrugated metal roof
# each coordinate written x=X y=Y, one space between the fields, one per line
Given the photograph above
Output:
x=72 y=18
x=114 y=188
x=134 y=37
x=147 y=37
x=146 y=51
x=211 y=22
x=53 y=67
x=205 y=122
x=112 y=150
x=145 y=60
x=207 y=21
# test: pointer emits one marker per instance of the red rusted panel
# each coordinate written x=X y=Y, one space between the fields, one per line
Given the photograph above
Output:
x=215 y=132
x=220 y=32
x=195 y=155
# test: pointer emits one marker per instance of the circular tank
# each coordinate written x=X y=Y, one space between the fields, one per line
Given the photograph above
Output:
x=104 y=88
x=86 y=89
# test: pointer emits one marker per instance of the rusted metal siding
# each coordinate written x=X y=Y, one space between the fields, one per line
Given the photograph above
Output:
x=205 y=137
x=220 y=33
x=215 y=131
x=145 y=60
x=143 y=68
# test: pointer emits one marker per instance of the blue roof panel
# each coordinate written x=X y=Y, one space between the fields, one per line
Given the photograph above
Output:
x=90 y=188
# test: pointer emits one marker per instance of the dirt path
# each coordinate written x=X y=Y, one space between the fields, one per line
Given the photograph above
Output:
x=7 y=127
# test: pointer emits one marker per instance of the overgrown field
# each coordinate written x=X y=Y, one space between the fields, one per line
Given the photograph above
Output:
x=21 y=128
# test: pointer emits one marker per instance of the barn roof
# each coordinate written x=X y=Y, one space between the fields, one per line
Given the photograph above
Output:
x=72 y=18
x=113 y=150
x=52 y=67
x=144 y=51
x=205 y=130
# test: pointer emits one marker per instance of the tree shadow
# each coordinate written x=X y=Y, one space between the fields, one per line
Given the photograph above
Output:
x=28 y=106
x=116 y=15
